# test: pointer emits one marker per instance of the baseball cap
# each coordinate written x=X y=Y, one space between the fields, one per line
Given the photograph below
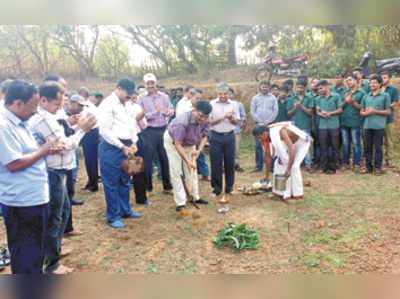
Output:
x=127 y=84
x=149 y=77
x=78 y=99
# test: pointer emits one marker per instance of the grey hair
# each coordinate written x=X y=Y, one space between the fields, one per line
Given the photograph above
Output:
x=222 y=86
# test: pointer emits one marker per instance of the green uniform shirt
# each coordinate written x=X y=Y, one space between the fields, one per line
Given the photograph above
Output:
x=350 y=116
x=342 y=91
x=282 y=112
x=174 y=102
x=379 y=102
x=290 y=95
x=300 y=118
x=315 y=103
x=329 y=104
x=365 y=86
x=394 y=97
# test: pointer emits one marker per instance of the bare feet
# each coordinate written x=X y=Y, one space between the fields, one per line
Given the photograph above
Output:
x=62 y=270
x=65 y=252
x=65 y=241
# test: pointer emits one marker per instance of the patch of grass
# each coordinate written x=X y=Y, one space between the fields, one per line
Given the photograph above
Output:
x=312 y=259
x=169 y=242
x=189 y=268
x=83 y=263
x=336 y=260
x=152 y=269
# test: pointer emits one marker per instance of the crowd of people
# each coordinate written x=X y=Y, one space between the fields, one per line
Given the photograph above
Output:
x=41 y=129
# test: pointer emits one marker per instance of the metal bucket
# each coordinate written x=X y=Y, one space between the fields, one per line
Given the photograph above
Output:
x=280 y=182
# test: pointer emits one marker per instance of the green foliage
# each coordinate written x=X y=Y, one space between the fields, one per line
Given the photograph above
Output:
x=90 y=50
x=112 y=58
x=239 y=237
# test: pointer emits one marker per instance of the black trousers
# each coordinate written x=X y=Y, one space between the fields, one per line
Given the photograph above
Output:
x=329 y=138
x=26 y=232
x=90 y=146
x=153 y=141
x=373 y=140
x=222 y=154
x=139 y=180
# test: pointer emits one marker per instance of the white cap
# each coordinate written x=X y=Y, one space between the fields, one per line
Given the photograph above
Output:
x=149 y=77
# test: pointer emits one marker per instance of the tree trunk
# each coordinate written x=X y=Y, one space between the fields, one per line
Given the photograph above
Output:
x=232 y=49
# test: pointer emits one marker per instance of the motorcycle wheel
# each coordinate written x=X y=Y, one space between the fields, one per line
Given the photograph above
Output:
x=262 y=75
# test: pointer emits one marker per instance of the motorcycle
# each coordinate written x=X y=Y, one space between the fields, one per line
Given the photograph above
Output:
x=386 y=65
x=364 y=62
x=391 y=65
x=289 y=66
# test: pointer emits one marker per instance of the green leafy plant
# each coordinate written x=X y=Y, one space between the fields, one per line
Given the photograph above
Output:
x=238 y=237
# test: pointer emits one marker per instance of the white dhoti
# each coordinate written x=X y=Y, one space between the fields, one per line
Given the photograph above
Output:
x=175 y=171
x=279 y=149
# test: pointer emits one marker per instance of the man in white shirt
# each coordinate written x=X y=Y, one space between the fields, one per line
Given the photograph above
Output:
x=119 y=137
x=44 y=125
x=188 y=104
x=90 y=145
x=224 y=118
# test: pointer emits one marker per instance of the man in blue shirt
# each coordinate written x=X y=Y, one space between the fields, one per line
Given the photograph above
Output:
x=263 y=110
x=24 y=186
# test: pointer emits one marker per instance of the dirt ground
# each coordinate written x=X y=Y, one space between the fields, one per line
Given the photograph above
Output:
x=347 y=223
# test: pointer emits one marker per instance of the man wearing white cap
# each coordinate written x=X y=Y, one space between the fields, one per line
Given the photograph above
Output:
x=157 y=108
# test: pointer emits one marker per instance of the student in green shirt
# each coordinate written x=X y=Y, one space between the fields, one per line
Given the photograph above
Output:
x=375 y=107
x=351 y=123
x=364 y=84
x=339 y=87
x=328 y=108
x=300 y=110
x=290 y=84
x=315 y=121
x=388 y=142
x=282 y=102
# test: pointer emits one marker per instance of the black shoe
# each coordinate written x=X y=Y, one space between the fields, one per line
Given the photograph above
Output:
x=330 y=171
x=202 y=202
x=76 y=202
x=179 y=208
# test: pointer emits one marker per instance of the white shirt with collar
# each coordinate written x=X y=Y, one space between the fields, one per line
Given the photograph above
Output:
x=219 y=109
x=93 y=110
x=115 y=121
x=45 y=125
x=184 y=106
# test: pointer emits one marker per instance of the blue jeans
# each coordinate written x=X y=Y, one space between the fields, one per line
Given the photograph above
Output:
x=222 y=152
x=115 y=182
x=351 y=136
x=26 y=231
x=259 y=154
x=72 y=175
x=59 y=213
x=156 y=163
x=307 y=159
x=202 y=165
